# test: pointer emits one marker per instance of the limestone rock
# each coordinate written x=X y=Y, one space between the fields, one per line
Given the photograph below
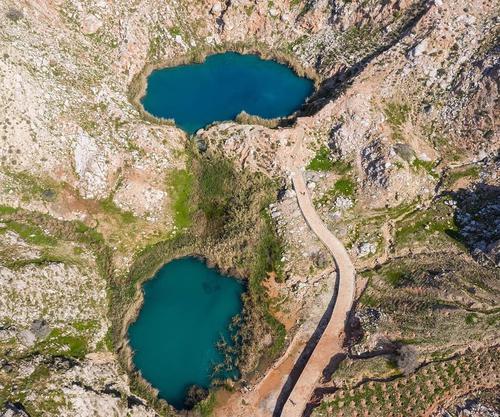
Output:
x=91 y=24
x=216 y=9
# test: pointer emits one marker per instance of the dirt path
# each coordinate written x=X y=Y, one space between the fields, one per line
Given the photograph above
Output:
x=332 y=339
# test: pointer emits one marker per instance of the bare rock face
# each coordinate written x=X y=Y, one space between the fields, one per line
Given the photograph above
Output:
x=13 y=410
x=91 y=167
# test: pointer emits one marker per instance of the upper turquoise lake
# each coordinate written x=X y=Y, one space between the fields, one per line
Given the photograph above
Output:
x=187 y=309
x=223 y=86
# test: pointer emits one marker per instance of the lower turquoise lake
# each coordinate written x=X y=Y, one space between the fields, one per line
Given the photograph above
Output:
x=187 y=310
x=220 y=88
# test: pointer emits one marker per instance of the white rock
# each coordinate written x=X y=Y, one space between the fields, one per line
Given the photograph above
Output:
x=27 y=338
x=366 y=248
x=418 y=49
x=343 y=203
x=90 y=165
x=91 y=24
x=273 y=12
x=216 y=9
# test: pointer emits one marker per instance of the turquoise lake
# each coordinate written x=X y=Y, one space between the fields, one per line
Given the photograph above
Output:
x=187 y=309
x=220 y=88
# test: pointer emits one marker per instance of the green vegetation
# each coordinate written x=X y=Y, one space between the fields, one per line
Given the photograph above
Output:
x=216 y=180
x=59 y=344
x=225 y=218
x=470 y=318
x=7 y=210
x=397 y=114
x=31 y=234
x=398 y=278
x=397 y=395
x=269 y=252
x=472 y=172
x=108 y=206
x=322 y=160
x=344 y=187
x=206 y=407
x=30 y=186
x=175 y=30
x=427 y=166
x=181 y=183
x=421 y=224
x=341 y=168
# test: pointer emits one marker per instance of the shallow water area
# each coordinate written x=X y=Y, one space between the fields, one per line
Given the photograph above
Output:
x=223 y=86
x=187 y=309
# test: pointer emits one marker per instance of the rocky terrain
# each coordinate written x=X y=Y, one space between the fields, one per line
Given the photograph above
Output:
x=402 y=163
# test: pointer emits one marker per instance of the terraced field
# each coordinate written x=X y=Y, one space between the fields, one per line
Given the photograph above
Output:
x=418 y=394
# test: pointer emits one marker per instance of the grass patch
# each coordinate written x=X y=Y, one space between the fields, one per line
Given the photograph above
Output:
x=181 y=183
x=421 y=224
x=344 y=187
x=470 y=319
x=7 y=210
x=469 y=172
x=216 y=180
x=396 y=114
x=108 y=206
x=269 y=252
x=427 y=166
x=30 y=186
x=398 y=278
x=322 y=160
x=207 y=406
x=60 y=344
x=31 y=234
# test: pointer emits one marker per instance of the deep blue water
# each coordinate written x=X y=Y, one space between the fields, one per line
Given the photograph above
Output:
x=187 y=308
x=223 y=86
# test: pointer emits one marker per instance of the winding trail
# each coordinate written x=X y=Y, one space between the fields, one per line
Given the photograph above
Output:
x=331 y=340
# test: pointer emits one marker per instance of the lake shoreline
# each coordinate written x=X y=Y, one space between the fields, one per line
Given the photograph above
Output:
x=138 y=86
x=125 y=351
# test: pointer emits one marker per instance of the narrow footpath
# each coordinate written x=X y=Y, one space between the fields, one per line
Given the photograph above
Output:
x=332 y=338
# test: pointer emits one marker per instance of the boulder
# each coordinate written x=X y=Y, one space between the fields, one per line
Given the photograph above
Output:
x=216 y=9
x=91 y=24
x=418 y=49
